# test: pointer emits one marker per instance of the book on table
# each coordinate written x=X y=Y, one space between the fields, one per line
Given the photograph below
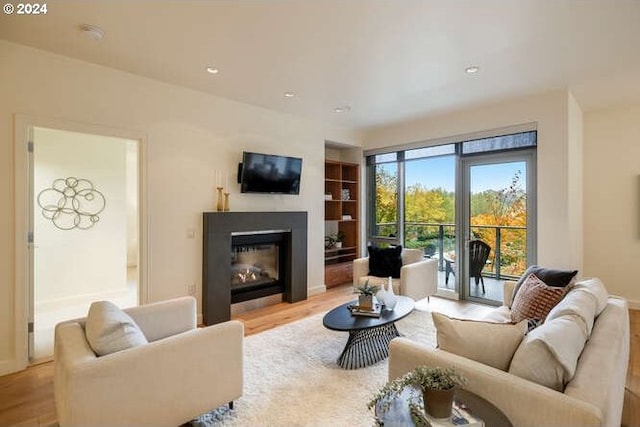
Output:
x=357 y=311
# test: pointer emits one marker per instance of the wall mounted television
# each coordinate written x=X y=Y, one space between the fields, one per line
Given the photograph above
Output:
x=268 y=173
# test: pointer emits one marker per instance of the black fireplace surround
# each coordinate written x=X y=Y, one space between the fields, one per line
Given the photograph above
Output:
x=223 y=230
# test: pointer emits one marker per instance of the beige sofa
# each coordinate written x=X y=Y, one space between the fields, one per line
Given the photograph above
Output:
x=418 y=276
x=181 y=373
x=593 y=397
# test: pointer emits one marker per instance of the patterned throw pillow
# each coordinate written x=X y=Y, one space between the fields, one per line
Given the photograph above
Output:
x=535 y=299
x=550 y=276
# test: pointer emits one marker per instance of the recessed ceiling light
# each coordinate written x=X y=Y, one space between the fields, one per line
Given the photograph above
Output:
x=92 y=32
x=472 y=70
x=289 y=94
x=342 y=109
x=212 y=70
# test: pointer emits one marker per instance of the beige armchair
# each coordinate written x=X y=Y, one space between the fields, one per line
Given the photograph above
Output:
x=418 y=276
x=183 y=371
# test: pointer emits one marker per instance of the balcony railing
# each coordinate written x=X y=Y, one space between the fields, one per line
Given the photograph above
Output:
x=507 y=259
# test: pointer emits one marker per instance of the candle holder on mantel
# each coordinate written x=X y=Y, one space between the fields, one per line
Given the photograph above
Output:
x=226 y=202
x=219 y=205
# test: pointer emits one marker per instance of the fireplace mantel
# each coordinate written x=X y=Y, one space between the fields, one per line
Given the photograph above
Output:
x=218 y=228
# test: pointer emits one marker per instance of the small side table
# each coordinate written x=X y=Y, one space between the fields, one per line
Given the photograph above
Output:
x=398 y=413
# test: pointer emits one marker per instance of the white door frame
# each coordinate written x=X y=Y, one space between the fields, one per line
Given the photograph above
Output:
x=23 y=126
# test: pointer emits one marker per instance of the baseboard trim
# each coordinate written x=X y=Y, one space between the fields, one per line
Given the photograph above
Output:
x=633 y=304
x=315 y=290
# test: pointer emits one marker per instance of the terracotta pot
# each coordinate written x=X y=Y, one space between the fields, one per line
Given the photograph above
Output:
x=438 y=403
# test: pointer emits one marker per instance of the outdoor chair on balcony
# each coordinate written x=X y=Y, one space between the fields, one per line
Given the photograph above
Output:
x=478 y=256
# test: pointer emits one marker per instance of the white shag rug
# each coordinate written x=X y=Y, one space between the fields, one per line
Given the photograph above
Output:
x=291 y=377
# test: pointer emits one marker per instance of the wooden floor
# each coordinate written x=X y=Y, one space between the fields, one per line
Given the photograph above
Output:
x=26 y=398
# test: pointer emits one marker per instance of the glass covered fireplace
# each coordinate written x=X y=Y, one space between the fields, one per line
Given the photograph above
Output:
x=257 y=264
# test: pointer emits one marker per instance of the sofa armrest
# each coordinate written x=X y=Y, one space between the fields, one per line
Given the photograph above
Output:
x=360 y=268
x=163 y=383
x=523 y=402
x=165 y=318
x=419 y=280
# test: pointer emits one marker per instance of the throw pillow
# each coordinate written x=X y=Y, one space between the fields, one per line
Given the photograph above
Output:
x=552 y=277
x=489 y=343
x=109 y=329
x=385 y=262
x=549 y=354
x=535 y=299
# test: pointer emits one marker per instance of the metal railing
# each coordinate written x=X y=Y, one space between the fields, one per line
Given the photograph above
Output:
x=444 y=236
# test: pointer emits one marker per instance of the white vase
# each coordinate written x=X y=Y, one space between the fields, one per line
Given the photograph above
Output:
x=390 y=297
x=381 y=294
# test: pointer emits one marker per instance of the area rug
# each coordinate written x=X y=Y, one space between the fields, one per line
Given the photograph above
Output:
x=291 y=377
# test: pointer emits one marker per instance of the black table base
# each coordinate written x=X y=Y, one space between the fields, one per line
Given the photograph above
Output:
x=367 y=346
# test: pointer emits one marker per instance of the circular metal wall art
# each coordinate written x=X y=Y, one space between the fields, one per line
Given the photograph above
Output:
x=72 y=203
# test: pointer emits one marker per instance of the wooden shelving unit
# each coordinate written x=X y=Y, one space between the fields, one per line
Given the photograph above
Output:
x=342 y=183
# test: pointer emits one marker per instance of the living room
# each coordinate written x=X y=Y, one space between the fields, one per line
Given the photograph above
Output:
x=587 y=128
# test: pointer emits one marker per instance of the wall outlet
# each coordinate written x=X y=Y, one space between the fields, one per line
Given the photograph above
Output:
x=192 y=290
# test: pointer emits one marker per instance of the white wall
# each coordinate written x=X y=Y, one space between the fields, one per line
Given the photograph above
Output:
x=612 y=200
x=558 y=173
x=69 y=263
x=189 y=135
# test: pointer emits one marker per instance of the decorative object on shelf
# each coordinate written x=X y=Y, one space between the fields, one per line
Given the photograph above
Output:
x=346 y=217
x=226 y=202
x=387 y=297
x=72 y=203
x=328 y=196
x=346 y=194
x=334 y=240
x=436 y=386
x=365 y=299
x=219 y=204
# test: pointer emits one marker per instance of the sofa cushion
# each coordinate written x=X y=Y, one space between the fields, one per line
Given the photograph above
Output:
x=549 y=354
x=577 y=302
x=535 y=299
x=385 y=262
x=109 y=329
x=552 y=277
x=595 y=287
x=490 y=343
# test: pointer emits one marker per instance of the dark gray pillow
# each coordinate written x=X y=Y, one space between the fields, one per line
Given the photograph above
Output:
x=550 y=276
x=385 y=262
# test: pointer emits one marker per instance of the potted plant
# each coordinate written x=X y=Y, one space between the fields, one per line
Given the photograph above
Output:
x=365 y=299
x=436 y=386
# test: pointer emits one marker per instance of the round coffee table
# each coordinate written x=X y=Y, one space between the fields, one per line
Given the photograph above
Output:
x=397 y=414
x=369 y=337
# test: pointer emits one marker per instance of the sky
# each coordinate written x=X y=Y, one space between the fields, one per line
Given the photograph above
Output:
x=437 y=172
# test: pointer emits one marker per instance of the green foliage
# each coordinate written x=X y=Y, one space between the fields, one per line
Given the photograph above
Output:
x=421 y=378
x=490 y=208
x=367 y=289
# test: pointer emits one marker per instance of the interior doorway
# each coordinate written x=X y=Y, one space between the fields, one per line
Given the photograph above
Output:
x=84 y=221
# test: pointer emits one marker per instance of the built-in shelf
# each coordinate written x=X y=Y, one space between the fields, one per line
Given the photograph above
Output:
x=342 y=182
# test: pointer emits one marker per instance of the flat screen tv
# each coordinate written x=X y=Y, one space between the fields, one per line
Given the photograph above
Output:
x=267 y=173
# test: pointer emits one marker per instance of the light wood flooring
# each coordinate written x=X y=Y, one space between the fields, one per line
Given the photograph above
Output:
x=26 y=398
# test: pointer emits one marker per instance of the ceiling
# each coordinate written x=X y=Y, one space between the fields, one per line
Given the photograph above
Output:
x=389 y=61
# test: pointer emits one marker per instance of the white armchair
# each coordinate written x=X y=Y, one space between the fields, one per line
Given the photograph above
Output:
x=418 y=276
x=183 y=371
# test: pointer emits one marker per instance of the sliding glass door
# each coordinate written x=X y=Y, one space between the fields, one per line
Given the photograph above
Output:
x=498 y=222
